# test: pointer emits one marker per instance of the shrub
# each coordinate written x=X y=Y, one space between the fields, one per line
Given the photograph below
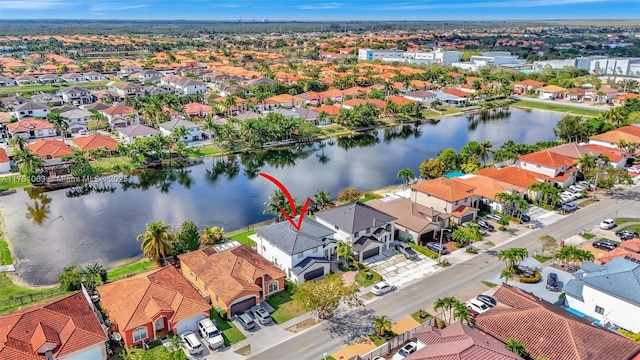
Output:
x=472 y=250
x=502 y=228
x=223 y=314
x=531 y=280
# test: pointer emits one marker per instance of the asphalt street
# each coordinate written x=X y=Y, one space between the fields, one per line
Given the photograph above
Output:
x=334 y=334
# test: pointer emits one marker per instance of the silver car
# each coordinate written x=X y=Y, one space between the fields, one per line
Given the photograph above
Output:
x=382 y=288
x=191 y=343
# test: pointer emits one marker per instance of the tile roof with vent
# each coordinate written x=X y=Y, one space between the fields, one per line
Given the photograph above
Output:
x=459 y=342
x=629 y=249
x=354 y=217
x=134 y=301
x=229 y=272
x=63 y=326
x=95 y=141
x=445 y=189
x=547 y=158
x=50 y=148
x=513 y=175
x=549 y=331
x=574 y=150
x=291 y=241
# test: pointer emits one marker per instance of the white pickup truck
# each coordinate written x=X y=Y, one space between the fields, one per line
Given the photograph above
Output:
x=210 y=334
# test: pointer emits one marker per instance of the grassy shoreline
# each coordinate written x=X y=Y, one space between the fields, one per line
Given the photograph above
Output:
x=524 y=104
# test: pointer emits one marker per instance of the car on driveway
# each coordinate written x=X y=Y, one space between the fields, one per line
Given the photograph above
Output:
x=626 y=233
x=489 y=300
x=382 y=288
x=405 y=250
x=604 y=245
x=607 y=224
x=191 y=343
x=569 y=207
x=437 y=248
x=485 y=224
x=478 y=306
x=553 y=284
x=261 y=314
x=210 y=334
x=245 y=321
x=405 y=351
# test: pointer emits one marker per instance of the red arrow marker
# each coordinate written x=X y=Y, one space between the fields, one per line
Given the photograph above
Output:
x=291 y=202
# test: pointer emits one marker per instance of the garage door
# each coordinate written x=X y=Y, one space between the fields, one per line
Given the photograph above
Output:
x=369 y=253
x=314 y=274
x=243 y=306
x=190 y=324
x=466 y=218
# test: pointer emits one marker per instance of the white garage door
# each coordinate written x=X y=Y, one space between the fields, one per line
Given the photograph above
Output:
x=94 y=352
x=190 y=324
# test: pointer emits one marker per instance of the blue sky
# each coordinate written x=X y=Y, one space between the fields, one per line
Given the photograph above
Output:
x=313 y=10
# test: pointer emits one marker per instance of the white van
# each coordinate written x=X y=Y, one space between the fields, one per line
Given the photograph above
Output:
x=210 y=334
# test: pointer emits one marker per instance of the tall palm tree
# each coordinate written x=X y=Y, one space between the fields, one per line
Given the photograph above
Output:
x=586 y=164
x=515 y=346
x=277 y=201
x=485 y=149
x=208 y=125
x=446 y=304
x=229 y=103
x=382 y=325
x=156 y=241
x=59 y=122
x=507 y=275
x=513 y=256
x=323 y=200
x=28 y=161
x=461 y=312
x=179 y=132
x=406 y=175
x=211 y=235
x=18 y=141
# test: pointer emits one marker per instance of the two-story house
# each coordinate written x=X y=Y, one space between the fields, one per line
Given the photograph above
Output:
x=194 y=133
x=31 y=109
x=121 y=116
x=47 y=99
x=77 y=95
x=449 y=196
x=76 y=119
x=95 y=76
x=73 y=78
x=611 y=138
x=128 y=89
x=129 y=134
x=233 y=278
x=369 y=230
x=302 y=254
x=31 y=129
x=559 y=169
x=184 y=86
x=609 y=293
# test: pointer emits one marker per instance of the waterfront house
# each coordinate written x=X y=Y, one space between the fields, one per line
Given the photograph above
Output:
x=525 y=86
x=96 y=141
x=48 y=149
x=559 y=169
x=552 y=92
x=233 y=278
x=486 y=188
x=421 y=96
x=611 y=138
x=449 y=196
x=194 y=133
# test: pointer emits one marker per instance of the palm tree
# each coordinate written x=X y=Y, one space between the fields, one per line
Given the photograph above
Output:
x=180 y=132
x=156 y=241
x=446 y=304
x=586 y=164
x=323 y=200
x=485 y=150
x=382 y=325
x=208 y=125
x=59 y=122
x=229 y=103
x=507 y=275
x=18 y=141
x=211 y=235
x=406 y=175
x=277 y=202
x=28 y=161
x=461 y=312
x=344 y=250
x=513 y=256
x=515 y=346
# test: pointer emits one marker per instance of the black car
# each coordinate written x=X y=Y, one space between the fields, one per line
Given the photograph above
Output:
x=553 y=284
x=626 y=233
x=604 y=245
x=511 y=210
x=489 y=300
x=485 y=225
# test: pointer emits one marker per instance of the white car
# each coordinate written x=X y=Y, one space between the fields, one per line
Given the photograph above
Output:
x=405 y=351
x=607 y=224
x=382 y=288
x=478 y=306
x=210 y=333
x=191 y=343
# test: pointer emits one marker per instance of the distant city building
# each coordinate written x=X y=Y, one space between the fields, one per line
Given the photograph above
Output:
x=597 y=65
x=413 y=57
x=497 y=58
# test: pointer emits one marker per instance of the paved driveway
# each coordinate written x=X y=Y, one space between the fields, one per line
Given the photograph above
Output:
x=392 y=263
x=540 y=289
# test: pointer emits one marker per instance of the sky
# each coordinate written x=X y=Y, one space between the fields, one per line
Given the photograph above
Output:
x=250 y=10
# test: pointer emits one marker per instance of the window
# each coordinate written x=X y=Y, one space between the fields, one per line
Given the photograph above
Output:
x=140 y=334
x=599 y=310
x=273 y=286
x=206 y=288
x=216 y=297
x=191 y=273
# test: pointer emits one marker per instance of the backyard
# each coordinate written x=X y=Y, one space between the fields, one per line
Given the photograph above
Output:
x=137 y=267
x=286 y=305
x=557 y=107
x=243 y=238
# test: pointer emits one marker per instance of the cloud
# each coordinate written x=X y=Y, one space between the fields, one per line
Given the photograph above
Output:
x=230 y=6
x=31 y=4
x=328 y=6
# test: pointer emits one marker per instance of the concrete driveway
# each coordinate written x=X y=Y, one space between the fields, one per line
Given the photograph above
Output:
x=540 y=289
x=391 y=263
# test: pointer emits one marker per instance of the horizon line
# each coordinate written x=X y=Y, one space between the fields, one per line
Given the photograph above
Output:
x=325 y=20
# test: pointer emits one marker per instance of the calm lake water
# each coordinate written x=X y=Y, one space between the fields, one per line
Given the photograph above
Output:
x=61 y=228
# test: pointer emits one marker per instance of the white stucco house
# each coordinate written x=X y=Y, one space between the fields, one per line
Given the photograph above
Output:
x=369 y=230
x=31 y=109
x=302 y=254
x=194 y=133
x=76 y=119
x=609 y=293
x=129 y=134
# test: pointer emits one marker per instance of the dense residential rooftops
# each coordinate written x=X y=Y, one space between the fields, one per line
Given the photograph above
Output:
x=50 y=148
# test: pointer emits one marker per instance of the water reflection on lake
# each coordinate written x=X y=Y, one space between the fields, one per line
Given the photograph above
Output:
x=99 y=223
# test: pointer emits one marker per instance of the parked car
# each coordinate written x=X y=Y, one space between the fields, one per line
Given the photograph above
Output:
x=405 y=351
x=210 y=333
x=570 y=207
x=382 y=288
x=604 y=245
x=478 y=306
x=494 y=217
x=621 y=233
x=261 y=314
x=191 y=343
x=553 y=284
x=485 y=224
x=627 y=236
x=607 y=224
x=245 y=321
x=489 y=300
x=436 y=247
x=405 y=250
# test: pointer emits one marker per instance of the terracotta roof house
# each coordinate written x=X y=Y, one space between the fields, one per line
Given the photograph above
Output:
x=608 y=293
x=5 y=162
x=552 y=92
x=450 y=196
x=487 y=188
x=121 y=116
x=413 y=221
x=620 y=99
x=95 y=141
x=49 y=149
x=368 y=229
x=399 y=100
x=617 y=157
x=197 y=109
x=629 y=250
x=513 y=175
x=559 y=168
x=523 y=86
x=234 y=279
x=549 y=331
x=31 y=129
x=66 y=328
x=630 y=134
x=458 y=342
x=331 y=110
x=351 y=103
x=333 y=94
x=146 y=306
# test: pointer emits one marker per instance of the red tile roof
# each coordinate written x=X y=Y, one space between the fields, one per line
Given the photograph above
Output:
x=513 y=175
x=119 y=110
x=629 y=248
x=28 y=125
x=547 y=330
x=95 y=141
x=399 y=100
x=69 y=324
x=331 y=110
x=445 y=189
x=528 y=82
x=613 y=154
x=133 y=301
x=548 y=159
x=456 y=92
x=50 y=148
x=4 y=158
x=354 y=102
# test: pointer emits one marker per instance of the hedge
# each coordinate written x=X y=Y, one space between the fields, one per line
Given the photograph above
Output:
x=531 y=280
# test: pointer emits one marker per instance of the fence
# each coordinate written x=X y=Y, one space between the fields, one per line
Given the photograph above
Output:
x=394 y=343
x=29 y=299
x=248 y=228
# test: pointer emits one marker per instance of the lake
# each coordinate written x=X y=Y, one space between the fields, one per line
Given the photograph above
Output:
x=49 y=231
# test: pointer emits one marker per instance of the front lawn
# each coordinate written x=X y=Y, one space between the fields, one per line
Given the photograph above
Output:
x=421 y=316
x=542 y=259
x=230 y=332
x=243 y=238
x=587 y=236
x=13 y=181
x=488 y=284
x=361 y=278
x=379 y=340
x=159 y=351
x=205 y=150
x=286 y=305
x=622 y=220
x=137 y=267
x=114 y=163
x=5 y=254
x=557 y=107
x=13 y=296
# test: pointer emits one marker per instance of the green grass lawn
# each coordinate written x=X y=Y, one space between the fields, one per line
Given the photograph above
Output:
x=5 y=254
x=542 y=259
x=243 y=238
x=230 y=332
x=423 y=250
x=361 y=278
x=587 y=202
x=205 y=150
x=9 y=290
x=114 y=163
x=588 y=236
x=429 y=114
x=557 y=107
x=47 y=88
x=622 y=220
x=635 y=228
x=386 y=121
x=137 y=267
x=488 y=284
x=13 y=181
x=448 y=110
x=332 y=130
x=416 y=316
x=369 y=196
x=286 y=305
x=158 y=351
x=377 y=340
